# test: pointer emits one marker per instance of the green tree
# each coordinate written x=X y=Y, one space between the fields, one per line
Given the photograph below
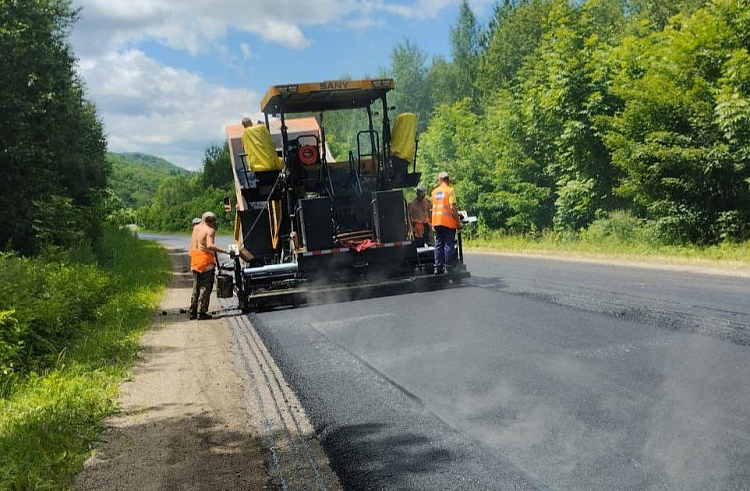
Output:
x=513 y=34
x=217 y=167
x=52 y=157
x=412 y=92
x=464 y=37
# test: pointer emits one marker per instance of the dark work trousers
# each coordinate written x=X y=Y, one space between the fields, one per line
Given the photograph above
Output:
x=203 y=285
x=445 y=247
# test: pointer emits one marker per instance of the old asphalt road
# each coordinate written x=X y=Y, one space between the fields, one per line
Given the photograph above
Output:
x=539 y=374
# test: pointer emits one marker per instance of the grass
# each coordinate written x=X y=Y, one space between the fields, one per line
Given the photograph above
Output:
x=50 y=415
x=724 y=255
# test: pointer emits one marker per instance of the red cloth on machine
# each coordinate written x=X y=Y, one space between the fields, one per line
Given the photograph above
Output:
x=358 y=245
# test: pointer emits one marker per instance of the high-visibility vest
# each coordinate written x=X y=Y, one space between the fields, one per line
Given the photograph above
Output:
x=442 y=213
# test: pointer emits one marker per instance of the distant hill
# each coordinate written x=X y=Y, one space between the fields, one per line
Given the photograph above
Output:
x=136 y=176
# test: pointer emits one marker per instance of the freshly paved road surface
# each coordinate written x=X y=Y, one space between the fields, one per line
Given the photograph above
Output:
x=539 y=374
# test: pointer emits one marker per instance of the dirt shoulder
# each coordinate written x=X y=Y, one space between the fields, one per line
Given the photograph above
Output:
x=182 y=424
x=716 y=268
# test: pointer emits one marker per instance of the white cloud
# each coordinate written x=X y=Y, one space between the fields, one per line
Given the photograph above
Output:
x=196 y=25
x=153 y=108
x=282 y=33
x=247 y=51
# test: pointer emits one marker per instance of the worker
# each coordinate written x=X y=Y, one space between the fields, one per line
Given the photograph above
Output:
x=445 y=221
x=195 y=222
x=247 y=122
x=203 y=251
x=419 y=216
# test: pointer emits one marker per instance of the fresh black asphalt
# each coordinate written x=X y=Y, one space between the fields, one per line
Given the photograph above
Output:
x=538 y=374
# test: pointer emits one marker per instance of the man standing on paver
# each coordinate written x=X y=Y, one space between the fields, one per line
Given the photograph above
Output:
x=203 y=251
x=445 y=221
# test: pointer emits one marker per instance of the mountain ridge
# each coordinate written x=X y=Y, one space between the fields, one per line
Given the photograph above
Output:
x=136 y=176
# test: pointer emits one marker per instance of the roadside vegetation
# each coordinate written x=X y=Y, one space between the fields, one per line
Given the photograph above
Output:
x=76 y=290
x=70 y=324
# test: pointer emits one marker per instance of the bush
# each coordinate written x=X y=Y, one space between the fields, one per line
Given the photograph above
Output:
x=44 y=302
x=620 y=226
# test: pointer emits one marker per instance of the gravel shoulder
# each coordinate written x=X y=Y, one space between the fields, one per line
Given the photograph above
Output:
x=188 y=416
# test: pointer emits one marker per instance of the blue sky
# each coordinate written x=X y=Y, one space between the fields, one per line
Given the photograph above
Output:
x=168 y=76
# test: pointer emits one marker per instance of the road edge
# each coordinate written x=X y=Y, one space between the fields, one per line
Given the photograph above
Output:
x=296 y=457
x=738 y=272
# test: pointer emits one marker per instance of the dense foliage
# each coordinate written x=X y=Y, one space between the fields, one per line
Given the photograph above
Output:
x=558 y=113
x=53 y=169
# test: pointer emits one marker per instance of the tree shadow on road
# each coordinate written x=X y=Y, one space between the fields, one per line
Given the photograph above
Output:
x=377 y=456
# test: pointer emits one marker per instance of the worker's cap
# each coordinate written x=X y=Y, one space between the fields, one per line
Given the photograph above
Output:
x=209 y=216
x=196 y=221
x=443 y=175
x=421 y=189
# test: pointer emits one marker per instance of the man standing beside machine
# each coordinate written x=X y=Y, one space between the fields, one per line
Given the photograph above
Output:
x=419 y=216
x=445 y=221
x=203 y=251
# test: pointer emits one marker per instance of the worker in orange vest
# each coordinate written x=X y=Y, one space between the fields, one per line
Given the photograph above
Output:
x=445 y=222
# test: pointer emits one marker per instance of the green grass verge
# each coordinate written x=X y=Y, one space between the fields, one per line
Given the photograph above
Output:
x=49 y=417
x=733 y=255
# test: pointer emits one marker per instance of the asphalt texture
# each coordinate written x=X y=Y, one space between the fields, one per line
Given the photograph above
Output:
x=537 y=374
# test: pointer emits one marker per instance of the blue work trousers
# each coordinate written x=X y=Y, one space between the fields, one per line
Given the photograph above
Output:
x=445 y=247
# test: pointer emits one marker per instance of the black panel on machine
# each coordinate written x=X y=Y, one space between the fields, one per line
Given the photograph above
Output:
x=390 y=216
x=257 y=240
x=317 y=223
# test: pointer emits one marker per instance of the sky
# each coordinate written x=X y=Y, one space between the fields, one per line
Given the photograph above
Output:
x=168 y=76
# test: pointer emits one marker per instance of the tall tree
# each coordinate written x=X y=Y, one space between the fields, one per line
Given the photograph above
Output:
x=514 y=33
x=217 y=167
x=412 y=93
x=465 y=40
x=52 y=150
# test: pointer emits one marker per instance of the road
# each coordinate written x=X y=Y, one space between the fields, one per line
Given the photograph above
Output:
x=538 y=374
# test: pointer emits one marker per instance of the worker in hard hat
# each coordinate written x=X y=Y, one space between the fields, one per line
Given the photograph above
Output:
x=203 y=251
x=445 y=222
x=419 y=216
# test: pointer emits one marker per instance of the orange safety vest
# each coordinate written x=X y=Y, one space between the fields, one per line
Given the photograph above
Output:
x=201 y=260
x=442 y=212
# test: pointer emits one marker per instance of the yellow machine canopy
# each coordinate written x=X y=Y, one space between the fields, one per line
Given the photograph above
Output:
x=324 y=96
